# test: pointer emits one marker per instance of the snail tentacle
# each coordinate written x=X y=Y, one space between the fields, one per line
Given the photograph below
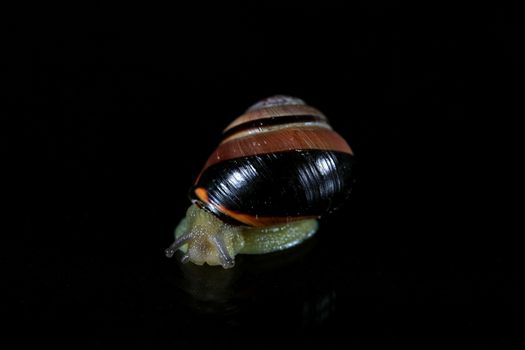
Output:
x=227 y=261
x=179 y=242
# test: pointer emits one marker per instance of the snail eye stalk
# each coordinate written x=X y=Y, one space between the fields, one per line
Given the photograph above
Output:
x=179 y=242
x=227 y=261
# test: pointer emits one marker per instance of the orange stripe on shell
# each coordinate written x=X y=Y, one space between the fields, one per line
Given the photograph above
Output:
x=247 y=219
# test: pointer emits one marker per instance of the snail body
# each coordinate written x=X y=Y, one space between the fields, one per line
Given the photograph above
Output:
x=279 y=167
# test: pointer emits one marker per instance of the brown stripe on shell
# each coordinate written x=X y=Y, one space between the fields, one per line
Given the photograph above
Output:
x=275 y=112
x=273 y=128
x=261 y=125
x=279 y=140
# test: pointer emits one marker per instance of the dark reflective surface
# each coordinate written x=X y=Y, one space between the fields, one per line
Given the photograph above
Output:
x=264 y=300
x=106 y=131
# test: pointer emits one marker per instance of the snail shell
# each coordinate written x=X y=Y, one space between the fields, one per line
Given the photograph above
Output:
x=278 y=167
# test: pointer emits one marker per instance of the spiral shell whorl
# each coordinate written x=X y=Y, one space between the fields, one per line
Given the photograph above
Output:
x=277 y=100
x=272 y=110
x=275 y=124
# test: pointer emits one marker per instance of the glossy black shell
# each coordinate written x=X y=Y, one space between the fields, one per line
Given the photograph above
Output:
x=282 y=185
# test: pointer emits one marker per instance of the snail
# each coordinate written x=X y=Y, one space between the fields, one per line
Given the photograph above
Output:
x=278 y=168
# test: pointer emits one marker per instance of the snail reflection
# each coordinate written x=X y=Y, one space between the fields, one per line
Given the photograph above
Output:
x=279 y=168
x=291 y=288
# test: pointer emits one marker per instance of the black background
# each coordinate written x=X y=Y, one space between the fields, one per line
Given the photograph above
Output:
x=107 y=124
